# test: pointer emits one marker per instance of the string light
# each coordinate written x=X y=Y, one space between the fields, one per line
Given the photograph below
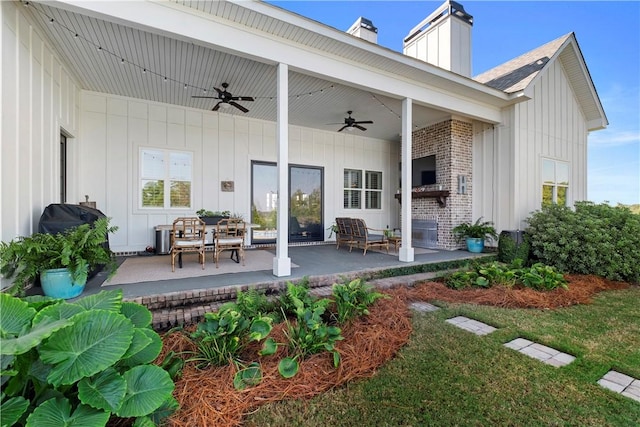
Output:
x=146 y=70
x=389 y=109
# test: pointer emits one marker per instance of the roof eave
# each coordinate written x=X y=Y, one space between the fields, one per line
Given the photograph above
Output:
x=600 y=121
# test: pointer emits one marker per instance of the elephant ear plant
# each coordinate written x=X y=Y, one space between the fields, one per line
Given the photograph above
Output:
x=82 y=363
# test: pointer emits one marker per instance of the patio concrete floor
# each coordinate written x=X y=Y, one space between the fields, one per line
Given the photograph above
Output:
x=314 y=261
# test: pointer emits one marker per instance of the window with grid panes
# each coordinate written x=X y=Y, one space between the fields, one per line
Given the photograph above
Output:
x=373 y=190
x=352 y=188
x=165 y=178
x=555 y=182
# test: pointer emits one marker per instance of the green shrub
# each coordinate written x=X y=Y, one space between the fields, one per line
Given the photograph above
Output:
x=509 y=250
x=84 y=362
x=594 y=239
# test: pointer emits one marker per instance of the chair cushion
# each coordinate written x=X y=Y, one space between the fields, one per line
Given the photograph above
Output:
x=230 y=240
x=376 y=237
x=188 y=243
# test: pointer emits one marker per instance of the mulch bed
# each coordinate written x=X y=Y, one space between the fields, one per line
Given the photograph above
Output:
x=207 y=397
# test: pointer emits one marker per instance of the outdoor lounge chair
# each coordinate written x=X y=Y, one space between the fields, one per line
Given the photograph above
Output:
x=343 y=233
x=188 y=235
x=355 y=232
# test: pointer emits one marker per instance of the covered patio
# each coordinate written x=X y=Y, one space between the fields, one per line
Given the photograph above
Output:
x=132 y=82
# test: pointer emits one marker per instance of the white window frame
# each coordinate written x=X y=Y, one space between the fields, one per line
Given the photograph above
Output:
x=553 y=181
x=370 y=191
x=355 y=189
x=352 y=188
x=165 y=173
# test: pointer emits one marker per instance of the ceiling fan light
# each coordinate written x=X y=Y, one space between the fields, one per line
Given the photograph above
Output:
x=349 y=129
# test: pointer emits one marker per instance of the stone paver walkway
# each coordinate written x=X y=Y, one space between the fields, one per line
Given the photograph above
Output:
x=423 y=307
x=471 y=325
x=621 y=383
x=541 y=352
x=614 y=381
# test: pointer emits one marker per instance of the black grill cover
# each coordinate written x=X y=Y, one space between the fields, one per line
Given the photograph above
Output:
x=59 y=217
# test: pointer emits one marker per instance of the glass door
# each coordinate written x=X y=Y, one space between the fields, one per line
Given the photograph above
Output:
x=264 y=202
x=305 y=204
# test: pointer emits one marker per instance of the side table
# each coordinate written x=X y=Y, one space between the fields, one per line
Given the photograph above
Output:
x=395 y=240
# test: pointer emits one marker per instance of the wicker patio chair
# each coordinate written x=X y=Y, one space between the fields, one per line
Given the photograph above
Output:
x=362 y=236
x=229 y=236
x=188 y=235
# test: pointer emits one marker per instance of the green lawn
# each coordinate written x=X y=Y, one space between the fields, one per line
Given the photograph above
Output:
x=447 y=376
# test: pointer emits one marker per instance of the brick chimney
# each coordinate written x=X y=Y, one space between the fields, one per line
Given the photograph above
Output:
x=443 y=39
x=364 y=29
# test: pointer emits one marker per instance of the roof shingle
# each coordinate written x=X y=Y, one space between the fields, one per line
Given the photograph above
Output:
x=515 y=75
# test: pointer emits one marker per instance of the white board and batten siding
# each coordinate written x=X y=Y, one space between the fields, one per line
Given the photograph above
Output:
x=114 y=129
x=508 y=157
x=40 y=100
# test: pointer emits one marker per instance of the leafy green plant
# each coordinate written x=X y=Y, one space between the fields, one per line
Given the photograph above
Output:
x=542 y=278
x=80 y=363
x=353 y=299
x=223 y=334
x=254 y=303
x=247 y=375
x=205 y=212
x=80 y=249
x=591 y=239
x=309 y=334
x=479 y=230
x=539 y=276
x=299 y=291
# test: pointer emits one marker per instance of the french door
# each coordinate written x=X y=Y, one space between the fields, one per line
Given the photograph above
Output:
x=305 y=203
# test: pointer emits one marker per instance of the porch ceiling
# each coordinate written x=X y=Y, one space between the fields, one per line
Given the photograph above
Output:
x=112 y=57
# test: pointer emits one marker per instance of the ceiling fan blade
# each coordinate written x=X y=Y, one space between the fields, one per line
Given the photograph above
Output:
x=343 y=128
x=217 y=107
x=208 y=97
x=364 y=122
x=241 y=98
x=238 y=106
x=359 y=127
x=218 y=90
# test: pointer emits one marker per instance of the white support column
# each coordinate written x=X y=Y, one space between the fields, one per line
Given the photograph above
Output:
x=282 y=262
x=406 y=250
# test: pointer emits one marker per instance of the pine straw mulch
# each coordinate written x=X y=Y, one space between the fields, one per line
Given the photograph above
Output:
x=207 y=397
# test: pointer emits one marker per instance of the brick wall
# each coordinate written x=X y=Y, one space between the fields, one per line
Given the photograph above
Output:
x=450 y=141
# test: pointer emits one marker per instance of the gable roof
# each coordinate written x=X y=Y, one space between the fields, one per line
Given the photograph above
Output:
x=520 y=74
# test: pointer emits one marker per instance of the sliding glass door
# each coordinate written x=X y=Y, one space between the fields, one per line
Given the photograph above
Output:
x=305 y=204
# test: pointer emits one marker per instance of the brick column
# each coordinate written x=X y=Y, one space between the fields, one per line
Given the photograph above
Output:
x=451 y=142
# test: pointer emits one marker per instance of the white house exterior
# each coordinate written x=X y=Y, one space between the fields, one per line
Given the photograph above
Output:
x=117 y=80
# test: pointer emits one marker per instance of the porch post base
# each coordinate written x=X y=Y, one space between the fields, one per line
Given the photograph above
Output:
x=406 y=254
x=281 y=267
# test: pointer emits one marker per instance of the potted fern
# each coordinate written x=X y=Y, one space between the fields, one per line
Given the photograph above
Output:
x=62 y=261
x=475 y=234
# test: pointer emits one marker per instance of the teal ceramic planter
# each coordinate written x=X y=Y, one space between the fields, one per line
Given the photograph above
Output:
x=57 y=283
x=475 y=245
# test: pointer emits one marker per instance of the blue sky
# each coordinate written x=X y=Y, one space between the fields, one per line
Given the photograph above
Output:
x=608 y=34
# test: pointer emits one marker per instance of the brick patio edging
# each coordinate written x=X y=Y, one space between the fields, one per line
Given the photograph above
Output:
x=173 y=309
